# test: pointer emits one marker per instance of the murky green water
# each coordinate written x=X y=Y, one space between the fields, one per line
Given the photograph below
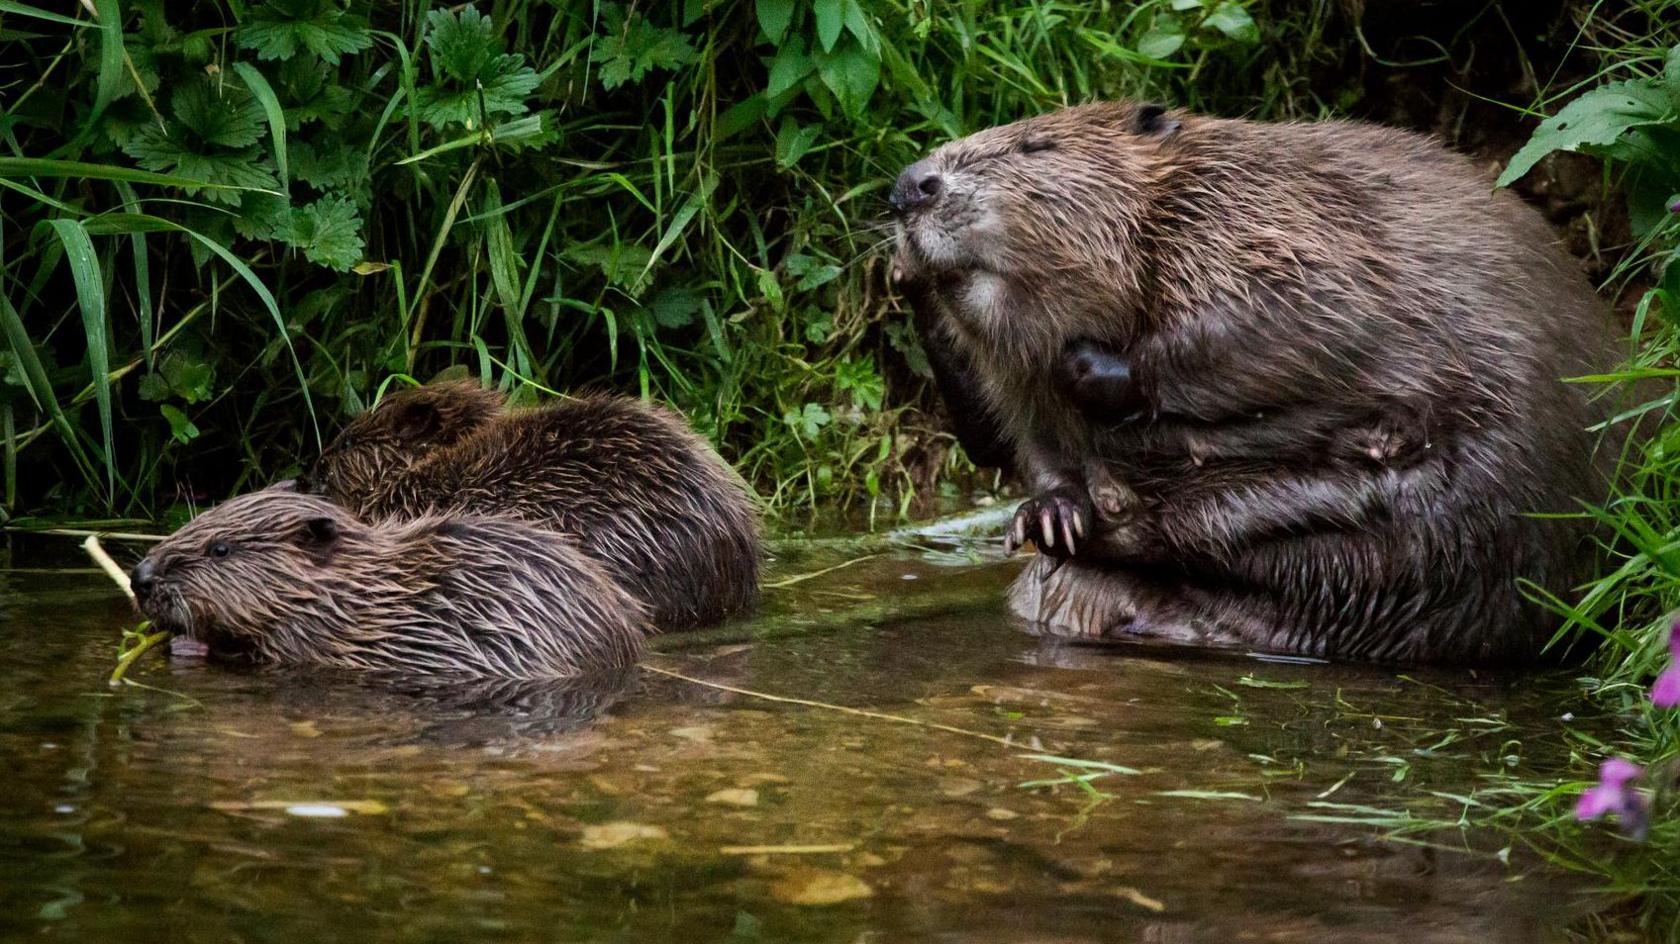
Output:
x=273 y=806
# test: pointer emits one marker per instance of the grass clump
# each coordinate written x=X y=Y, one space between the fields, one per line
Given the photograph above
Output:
x=227 y=227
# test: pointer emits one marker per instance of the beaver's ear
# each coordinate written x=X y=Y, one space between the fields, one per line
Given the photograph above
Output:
x=318 y=533
x=1152 y=119
x=414 y=420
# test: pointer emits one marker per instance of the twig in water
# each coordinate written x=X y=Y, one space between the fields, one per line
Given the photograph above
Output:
x=800 y=578
x=111 y=568
x=877 y=715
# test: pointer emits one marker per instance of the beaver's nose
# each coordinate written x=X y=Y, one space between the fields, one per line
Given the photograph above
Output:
x=144 y=578
x=918 y=186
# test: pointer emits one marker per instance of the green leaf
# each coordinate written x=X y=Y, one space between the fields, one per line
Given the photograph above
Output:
x=809 y=272
x=1234 y=21
x=789 y=68
x=327 y=164
x=676 y=307
x=624 y=264
x=181 y=375
x=264 y=94
x=475 y=79
x=774 y=18
x=1596 y=119
x=218 y=113
x=901 y=336
x=794 y=140
x=503 y=94
x=90 y=298
x=228 y=171
x=463 y=47
x=278 y=29
x=1165 y=37
x=183 y=429
x=311 y=95
x=264 y=216
x=830 y=17
x=329 y=231
x=809 y=421
x=852 y=74
x=857 y=23
x=858 y=377
x=632 y=50
x=741 y=116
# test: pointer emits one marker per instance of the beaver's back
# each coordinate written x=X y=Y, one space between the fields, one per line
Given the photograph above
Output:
x=631 y=484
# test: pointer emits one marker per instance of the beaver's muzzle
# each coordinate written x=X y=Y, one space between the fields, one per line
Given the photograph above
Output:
x=143 y=580
x=917 y=187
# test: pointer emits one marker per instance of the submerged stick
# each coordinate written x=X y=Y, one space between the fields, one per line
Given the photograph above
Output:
x=861 y=712
x=800 y=578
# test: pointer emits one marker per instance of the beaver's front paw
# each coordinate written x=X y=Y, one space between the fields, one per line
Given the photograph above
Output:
x=1055 y=522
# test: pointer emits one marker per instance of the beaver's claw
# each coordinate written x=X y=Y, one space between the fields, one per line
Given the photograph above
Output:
x=1055 y=522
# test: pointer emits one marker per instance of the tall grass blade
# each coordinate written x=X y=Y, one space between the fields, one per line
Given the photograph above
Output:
x=40 y=388
x=110 y=54
x=264 y=94
x=23 y=9
x=90 y=297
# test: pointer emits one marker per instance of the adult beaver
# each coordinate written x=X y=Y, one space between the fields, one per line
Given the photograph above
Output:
x=283 y=577
x=629 y=481
x=1278 y=289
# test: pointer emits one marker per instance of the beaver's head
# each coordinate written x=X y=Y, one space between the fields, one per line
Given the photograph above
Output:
x=237 y=576
x=1039 y=219
x=386 y=440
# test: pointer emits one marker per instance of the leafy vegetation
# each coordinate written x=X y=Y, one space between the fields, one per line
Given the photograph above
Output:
x=228 y=226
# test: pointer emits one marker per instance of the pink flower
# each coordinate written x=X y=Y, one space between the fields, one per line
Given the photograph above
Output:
x=1615 y=793
x=1665 y=693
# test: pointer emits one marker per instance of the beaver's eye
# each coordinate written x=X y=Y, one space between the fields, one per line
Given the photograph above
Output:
x=1034 y=145
x=219 y=549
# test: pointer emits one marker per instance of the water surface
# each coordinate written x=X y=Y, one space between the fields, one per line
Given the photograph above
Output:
x=275 y=806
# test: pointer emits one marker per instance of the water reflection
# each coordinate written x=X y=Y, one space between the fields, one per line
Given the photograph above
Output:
x=277 y=805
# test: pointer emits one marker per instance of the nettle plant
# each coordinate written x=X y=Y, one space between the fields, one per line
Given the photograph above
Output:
x=288 y=138
x=274 y=209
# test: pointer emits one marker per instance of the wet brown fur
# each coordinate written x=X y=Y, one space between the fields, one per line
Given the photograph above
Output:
x=629 y=481
x=1279 y=285
x=291 y=578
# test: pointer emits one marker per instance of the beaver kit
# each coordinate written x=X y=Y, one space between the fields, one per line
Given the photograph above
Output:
x=282 y=577
x=1317 y=365
x=629 y=482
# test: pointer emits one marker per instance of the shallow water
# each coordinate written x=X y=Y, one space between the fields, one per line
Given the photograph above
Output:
x=273 y=806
